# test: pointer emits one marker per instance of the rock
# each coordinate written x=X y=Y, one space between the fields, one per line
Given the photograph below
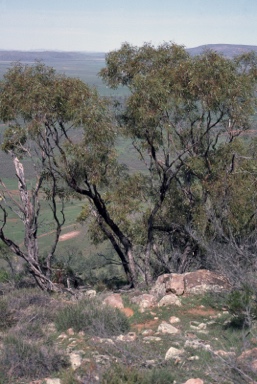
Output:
x=159 y=288
x=175 y=284
x=114 y=300
x=174 y=319
x=248 y=359
x=144 y=301
x=197 y=326
x=194 y=381
x=70 y=332
x=52 y=381
x=193 y=358
x=90 y=293
x=173 y=353
x=222 y=353
x=131 y=336
x=170 y=299
x=167 y=328
x=148 y=332
x=152 y=338
x=191 y=282
x=202 y=281
x=75 y=360
x=197 y=344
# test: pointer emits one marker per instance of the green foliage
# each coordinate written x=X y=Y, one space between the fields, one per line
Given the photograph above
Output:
x=120 y=374
x=242 y=304
x=93 y=318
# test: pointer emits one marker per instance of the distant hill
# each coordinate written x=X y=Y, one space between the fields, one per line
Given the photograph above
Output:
x=28 y=56
x=228 y=50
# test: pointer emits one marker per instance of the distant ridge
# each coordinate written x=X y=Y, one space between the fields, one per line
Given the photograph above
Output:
x=228 y=50
x=28 y=56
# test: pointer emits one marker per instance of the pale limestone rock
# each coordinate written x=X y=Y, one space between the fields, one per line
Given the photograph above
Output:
x=202 y=281
x=175 y=284
x=148 y=332
x=197 y=344
x=194 y=381
x=152 y=338
x=174 y=319
x=144 y=301
x=53 y=381
x=75 y=360
x=222 y=353
x=90 y=293
x=159 y=288
x=197 y=326
x=114 y=300
x=170 y=299
x=131 y=336
x=167 y=328
x=193 y=358
x=173 y=353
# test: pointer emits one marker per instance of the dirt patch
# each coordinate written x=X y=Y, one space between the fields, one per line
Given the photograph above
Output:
x=147 y=325
x=201 y=311
x=127 y=311
x=68 y=236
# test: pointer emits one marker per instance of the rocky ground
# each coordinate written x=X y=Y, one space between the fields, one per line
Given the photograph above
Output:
x=181 y=327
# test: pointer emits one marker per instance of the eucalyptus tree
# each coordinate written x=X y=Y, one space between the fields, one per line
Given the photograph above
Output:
x=179 y=111
x=65 y=130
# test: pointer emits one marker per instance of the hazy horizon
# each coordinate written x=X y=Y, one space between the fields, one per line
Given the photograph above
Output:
x=103 y=25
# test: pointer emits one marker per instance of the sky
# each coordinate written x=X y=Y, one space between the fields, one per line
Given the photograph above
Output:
x=103 y=25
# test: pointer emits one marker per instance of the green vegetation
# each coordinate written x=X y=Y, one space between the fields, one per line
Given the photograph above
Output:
x=93 y=318
x=187 y=201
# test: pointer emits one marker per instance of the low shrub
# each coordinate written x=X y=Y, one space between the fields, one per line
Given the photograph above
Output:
x=21 y=359
x=6 y=316
x=93 y=318
x=121 y=374
x=242 y=305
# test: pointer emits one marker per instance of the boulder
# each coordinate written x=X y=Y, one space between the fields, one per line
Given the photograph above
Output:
x=75 y=360
x=202 y=281
x=159 y=288
x=52 y=381
x=131 y=336
x=174 y=319
x=114 y=300
x=167 y=328
x=170 y=299
x=173 y=353
x=144 y=301
x=175 y=284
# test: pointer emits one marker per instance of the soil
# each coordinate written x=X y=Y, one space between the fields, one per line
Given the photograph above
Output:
x=68 y=236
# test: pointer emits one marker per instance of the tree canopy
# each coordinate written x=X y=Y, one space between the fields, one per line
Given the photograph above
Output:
x=184 y=116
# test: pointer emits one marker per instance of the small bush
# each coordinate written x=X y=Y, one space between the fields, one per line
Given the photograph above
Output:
x=22 y=359
x=93 y=318
x=243 y=306
x=4 y=276
x=6 y=317
x=120 y=374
